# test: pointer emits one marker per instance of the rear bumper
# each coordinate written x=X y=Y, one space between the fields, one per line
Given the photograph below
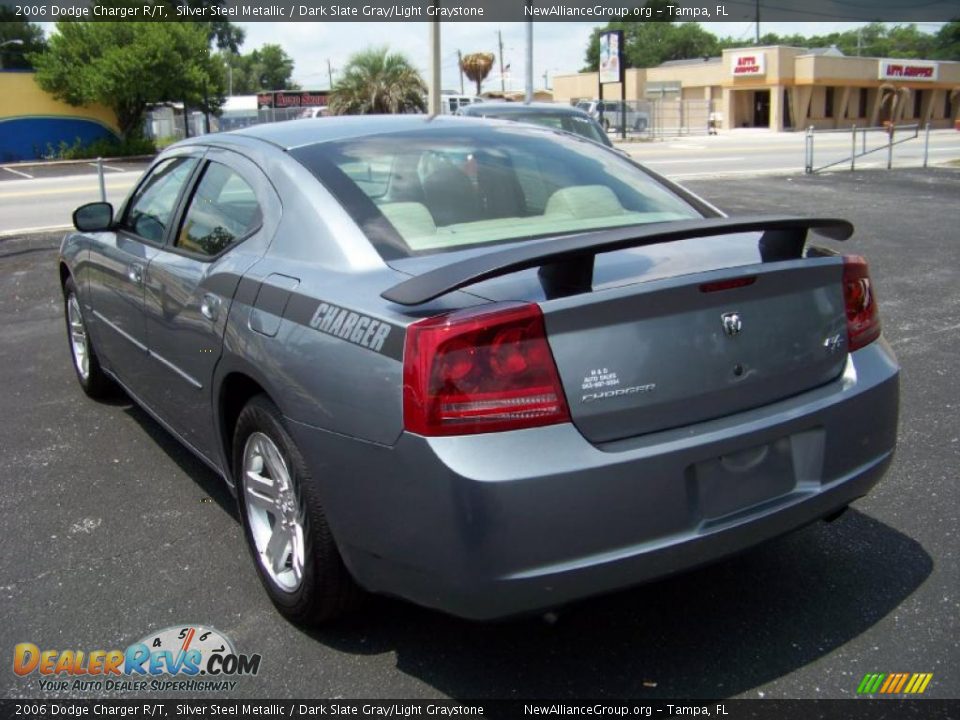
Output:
x=494 y=525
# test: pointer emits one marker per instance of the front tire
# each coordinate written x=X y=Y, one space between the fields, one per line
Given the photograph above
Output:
x=284 y=523
x=86 y=364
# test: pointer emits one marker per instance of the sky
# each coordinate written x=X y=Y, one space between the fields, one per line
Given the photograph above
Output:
x=558 y=46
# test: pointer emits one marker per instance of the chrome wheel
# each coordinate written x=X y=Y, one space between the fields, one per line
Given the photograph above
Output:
x=274 y=511
x=79 y=344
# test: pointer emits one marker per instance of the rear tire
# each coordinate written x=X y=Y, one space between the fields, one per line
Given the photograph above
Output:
x=86 y=364
x=284 y=523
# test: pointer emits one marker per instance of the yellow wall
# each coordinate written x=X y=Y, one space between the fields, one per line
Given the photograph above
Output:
x=20 y=96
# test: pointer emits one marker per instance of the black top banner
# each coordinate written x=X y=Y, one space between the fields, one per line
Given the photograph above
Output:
x=626 y=708
x=600 y=11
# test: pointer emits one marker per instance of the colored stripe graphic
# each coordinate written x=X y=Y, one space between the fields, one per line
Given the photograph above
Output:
x=894 y=683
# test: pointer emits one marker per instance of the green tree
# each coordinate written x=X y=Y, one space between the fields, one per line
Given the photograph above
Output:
x=128 y=65
x=266 y=68
x=948 y=42
x=17 y=55
x=378 y=81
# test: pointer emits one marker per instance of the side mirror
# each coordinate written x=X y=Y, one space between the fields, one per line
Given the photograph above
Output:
x=93 y=217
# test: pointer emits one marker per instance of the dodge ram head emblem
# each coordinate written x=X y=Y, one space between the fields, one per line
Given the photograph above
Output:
x=731 y=323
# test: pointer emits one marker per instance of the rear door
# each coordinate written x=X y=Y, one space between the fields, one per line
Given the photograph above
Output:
x=119 y=262
x=190 y=284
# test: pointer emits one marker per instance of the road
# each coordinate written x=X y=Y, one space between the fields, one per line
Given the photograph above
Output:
x=38 y=197
x=49 y=197
x=760 y=152
x=111 y=529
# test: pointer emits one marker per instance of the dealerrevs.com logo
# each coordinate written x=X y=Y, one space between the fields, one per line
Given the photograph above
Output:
x=187 y=658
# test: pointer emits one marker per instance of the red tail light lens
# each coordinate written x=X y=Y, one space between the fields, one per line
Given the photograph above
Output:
x=480 y=370
x=863 y=318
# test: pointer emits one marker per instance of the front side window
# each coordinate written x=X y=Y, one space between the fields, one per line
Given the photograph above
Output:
x=223 y=210
x=444 y=189
x=151 y=208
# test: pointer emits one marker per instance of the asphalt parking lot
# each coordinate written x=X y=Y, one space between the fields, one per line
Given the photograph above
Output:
x=113 y=530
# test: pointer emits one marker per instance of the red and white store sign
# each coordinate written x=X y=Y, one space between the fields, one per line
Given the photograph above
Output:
x=748 y=64
x=908 y=70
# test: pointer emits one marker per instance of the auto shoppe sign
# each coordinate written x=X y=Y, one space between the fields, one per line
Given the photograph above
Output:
x=289 y=98
x=748 y=64
x=908 y=70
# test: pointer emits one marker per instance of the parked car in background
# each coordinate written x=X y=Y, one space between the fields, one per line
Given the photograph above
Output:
x=477 y=364
x=315 y=112
x=609 y=114
x=450 y=104
x=560 y=117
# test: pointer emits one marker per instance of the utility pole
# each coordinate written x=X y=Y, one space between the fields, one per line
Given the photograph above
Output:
x=503 y=84
x=529 y=73
x=758 y=22
x=546 y=80
x=460 y=68
x=330 y=73
x=433 y=97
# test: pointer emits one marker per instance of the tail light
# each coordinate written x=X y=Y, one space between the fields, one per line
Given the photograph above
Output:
x=863 y=318
x=480 y=370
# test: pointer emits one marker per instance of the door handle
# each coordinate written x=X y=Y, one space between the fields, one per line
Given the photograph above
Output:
x=135 y=273
x=210 y=306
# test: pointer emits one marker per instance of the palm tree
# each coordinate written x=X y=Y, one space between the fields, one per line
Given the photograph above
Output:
x=377 y=81
x=477 y=66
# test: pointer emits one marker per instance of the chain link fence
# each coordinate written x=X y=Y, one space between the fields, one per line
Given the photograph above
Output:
x=645 y=119
x=168 y=124
x=651 y=119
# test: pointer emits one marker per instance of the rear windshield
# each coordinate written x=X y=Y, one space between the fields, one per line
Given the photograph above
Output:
x=446 y=188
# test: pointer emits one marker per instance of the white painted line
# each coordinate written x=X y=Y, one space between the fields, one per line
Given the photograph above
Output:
x=705 y=159
x=17 y=172
x=682 y=146
x=31 y=230
x=721 y=173
x=108 y=167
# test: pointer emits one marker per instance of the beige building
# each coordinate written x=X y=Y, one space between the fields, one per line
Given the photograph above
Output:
x=786 y=88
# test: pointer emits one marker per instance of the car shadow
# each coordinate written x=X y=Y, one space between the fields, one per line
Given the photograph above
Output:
x=211 y=483
x=714 y=632
x=710 y=633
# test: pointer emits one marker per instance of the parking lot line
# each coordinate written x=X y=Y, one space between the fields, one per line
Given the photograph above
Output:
x=108 y=167
x=17 y=172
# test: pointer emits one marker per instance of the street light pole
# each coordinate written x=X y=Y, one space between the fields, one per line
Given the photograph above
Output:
x=433 y=91
x=529 y=74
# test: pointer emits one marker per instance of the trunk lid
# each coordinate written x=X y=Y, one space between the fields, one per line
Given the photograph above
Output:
x=655 y=355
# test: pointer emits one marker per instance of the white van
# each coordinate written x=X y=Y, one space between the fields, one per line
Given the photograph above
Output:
x=449 y=104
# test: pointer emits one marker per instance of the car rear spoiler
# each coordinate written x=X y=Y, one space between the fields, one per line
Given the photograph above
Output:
x=566 y=263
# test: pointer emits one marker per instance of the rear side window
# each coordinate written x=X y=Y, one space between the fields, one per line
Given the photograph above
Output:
x=151 y=208
x=223 y=210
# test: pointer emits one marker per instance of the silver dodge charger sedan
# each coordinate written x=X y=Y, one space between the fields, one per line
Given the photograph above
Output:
x=487 y=367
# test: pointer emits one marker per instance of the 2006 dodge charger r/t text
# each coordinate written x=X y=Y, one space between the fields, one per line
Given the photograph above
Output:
x=487 y=367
